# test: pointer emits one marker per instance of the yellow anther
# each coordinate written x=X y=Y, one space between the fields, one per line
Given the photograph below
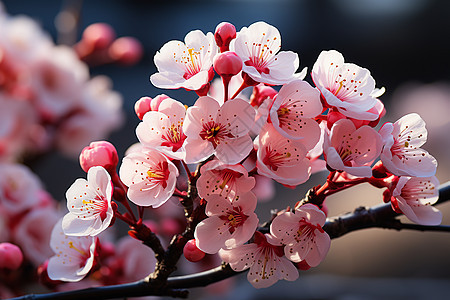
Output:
x=340 y=86
x=71 y=246
x=282 y=111
x=157 y=175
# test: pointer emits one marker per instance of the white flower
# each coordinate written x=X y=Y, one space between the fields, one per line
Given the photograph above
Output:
x=346 y=86
x=150 y=177
x=351 y=150
x=293 y=112
x=414 y=197
x=401 y=154
x=301 y=231
x=89 y=204
x=163 y=129
x=185 y=65
x=229 y=223
x=74 y=255
x=265 y=259
x=258 y=47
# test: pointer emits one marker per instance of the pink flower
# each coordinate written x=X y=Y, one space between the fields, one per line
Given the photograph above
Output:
x=134 y=260
x=401 y=154
x=34 y=240
x=100 y=112
x=163 y=129
x=293 y=111
x=280 y=158
x=301 y=231
x=150 y=177
x=57 y=81
x=223 y=131
x=224 y=180
x=17 y=123
x=345 y=86
x=258 y=47
x=229 y=224
x=74 y=256
x=89 y=204
x=264 y=258
x=19 y=188
x=413 y=196
x=185 y=65
x=351 y=150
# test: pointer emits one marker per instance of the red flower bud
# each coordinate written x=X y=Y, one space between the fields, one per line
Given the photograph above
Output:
x=11 y=256
x=225 y=32
x=101 y=153
x=227 y=64
x=191 y=252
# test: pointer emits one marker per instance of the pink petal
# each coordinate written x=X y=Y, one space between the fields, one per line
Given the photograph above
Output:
x=244 y=232
x=238 y=114
x=197 y=150
x=282 y=67
x=320 y=246
x=424 y=214
x=100 y=181
x=239 y=258
x=217 y=205
x=246 y=201
x=211 y=234
x=233 y=151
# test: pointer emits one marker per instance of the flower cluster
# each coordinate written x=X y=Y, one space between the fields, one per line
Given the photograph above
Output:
x=284 y=132
x=48 y=102
x=47 y=97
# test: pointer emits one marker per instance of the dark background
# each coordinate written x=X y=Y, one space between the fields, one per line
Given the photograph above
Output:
x=399 y=41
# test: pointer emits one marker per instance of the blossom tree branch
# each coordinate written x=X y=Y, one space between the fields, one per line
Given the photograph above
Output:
x=380 y=216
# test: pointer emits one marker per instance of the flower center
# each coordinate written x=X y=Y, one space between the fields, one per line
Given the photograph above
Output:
x=174 y=137
x=159 y=174
x=98 y=205
x=274 y=159
x=234 y=218
x=214 y=133
x=71 y=246
x=192 y=62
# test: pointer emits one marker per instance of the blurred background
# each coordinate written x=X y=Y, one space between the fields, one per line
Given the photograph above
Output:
x=404 y=43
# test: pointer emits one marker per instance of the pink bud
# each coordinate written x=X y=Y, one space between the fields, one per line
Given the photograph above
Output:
x=227 y=64
x=191 y=252
x=146 y=104
x=11 y=256
x=142 y=106
x=126 y=50
x=98 y=36
x=260 y=93
x=101 y=153
x=225 y=32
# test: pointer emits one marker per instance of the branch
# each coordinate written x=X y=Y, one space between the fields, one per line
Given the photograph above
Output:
x=380 y=216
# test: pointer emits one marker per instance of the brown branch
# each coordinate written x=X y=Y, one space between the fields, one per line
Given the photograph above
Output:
x=380 y=216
